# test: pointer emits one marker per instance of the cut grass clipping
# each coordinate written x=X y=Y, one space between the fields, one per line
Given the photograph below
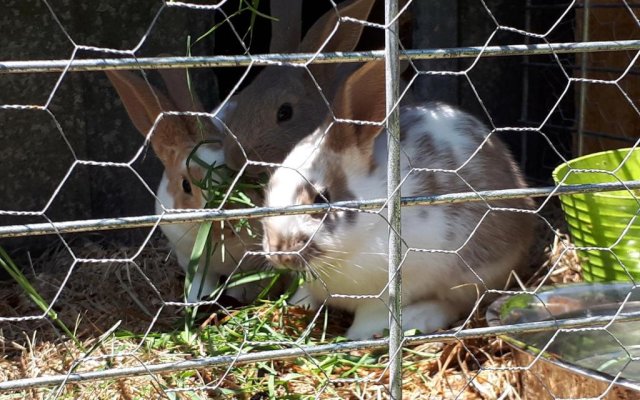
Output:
x=220 y=184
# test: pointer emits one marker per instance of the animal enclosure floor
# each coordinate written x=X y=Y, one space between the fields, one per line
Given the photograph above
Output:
x=118 y=314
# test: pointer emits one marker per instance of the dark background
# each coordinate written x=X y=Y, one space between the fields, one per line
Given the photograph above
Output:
x=84 y=119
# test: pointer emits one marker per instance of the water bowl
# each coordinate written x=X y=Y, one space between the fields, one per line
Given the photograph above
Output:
x=601 y=362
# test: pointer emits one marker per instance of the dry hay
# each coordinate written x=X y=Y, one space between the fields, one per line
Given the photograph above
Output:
x=98 y=296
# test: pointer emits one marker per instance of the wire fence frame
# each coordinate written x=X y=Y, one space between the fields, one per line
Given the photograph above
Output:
x=394 y=202
x=186 y=216
x=302 y=59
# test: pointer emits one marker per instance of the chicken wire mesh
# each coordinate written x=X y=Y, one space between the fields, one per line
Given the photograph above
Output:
x=65 y=323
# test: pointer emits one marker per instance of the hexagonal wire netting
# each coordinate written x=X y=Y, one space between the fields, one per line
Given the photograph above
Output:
x=400 y=219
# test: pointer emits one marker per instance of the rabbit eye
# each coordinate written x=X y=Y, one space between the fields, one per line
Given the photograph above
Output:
x=186 y=186
x=322 y=197
x=285 y=112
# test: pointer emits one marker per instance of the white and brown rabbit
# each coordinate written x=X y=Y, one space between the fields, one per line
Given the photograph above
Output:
x=456 y=251
x=284 y=103
x=173 y=139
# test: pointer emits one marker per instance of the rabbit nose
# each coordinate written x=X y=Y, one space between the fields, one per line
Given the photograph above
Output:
x=289 y=249
x=288 y=260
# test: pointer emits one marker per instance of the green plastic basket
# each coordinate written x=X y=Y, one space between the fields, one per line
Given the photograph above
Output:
x=603 y=219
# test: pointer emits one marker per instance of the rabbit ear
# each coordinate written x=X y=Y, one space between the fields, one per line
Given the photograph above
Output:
x=140 y=101
x=361 y=98
x=348 y=33
x=144 y=104
x=285 y=28
x=345 y=38
x=177 y=84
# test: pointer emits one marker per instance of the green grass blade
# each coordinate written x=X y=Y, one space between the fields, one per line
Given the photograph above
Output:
x=199 y=247
x=17 y=275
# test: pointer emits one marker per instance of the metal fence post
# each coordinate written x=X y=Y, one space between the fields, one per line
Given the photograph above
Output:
x=392 y=75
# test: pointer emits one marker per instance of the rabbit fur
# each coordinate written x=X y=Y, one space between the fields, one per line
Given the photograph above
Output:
x=456 y=251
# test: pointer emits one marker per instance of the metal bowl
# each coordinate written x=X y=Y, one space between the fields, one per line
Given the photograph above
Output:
x=580 y=362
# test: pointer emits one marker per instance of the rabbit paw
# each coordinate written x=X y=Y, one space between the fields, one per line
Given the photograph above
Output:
x=370 y=318
x=373 y=318
x=304 y=298
x=429 y=316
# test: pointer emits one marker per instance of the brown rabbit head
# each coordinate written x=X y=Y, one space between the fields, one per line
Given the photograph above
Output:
x=286 y=103
x=173 y=137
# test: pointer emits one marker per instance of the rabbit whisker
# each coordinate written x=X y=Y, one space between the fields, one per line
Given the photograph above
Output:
x=333 y=258
x=335 y=251
x=330 y=269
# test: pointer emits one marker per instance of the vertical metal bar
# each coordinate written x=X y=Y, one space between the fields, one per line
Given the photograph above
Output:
x=392 y=76
x=583 y=74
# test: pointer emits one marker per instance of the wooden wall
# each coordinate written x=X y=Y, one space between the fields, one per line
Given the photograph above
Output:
x=608 y=109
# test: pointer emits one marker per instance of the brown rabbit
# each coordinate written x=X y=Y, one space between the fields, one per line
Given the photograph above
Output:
x=173 y=138
x=285 y=103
